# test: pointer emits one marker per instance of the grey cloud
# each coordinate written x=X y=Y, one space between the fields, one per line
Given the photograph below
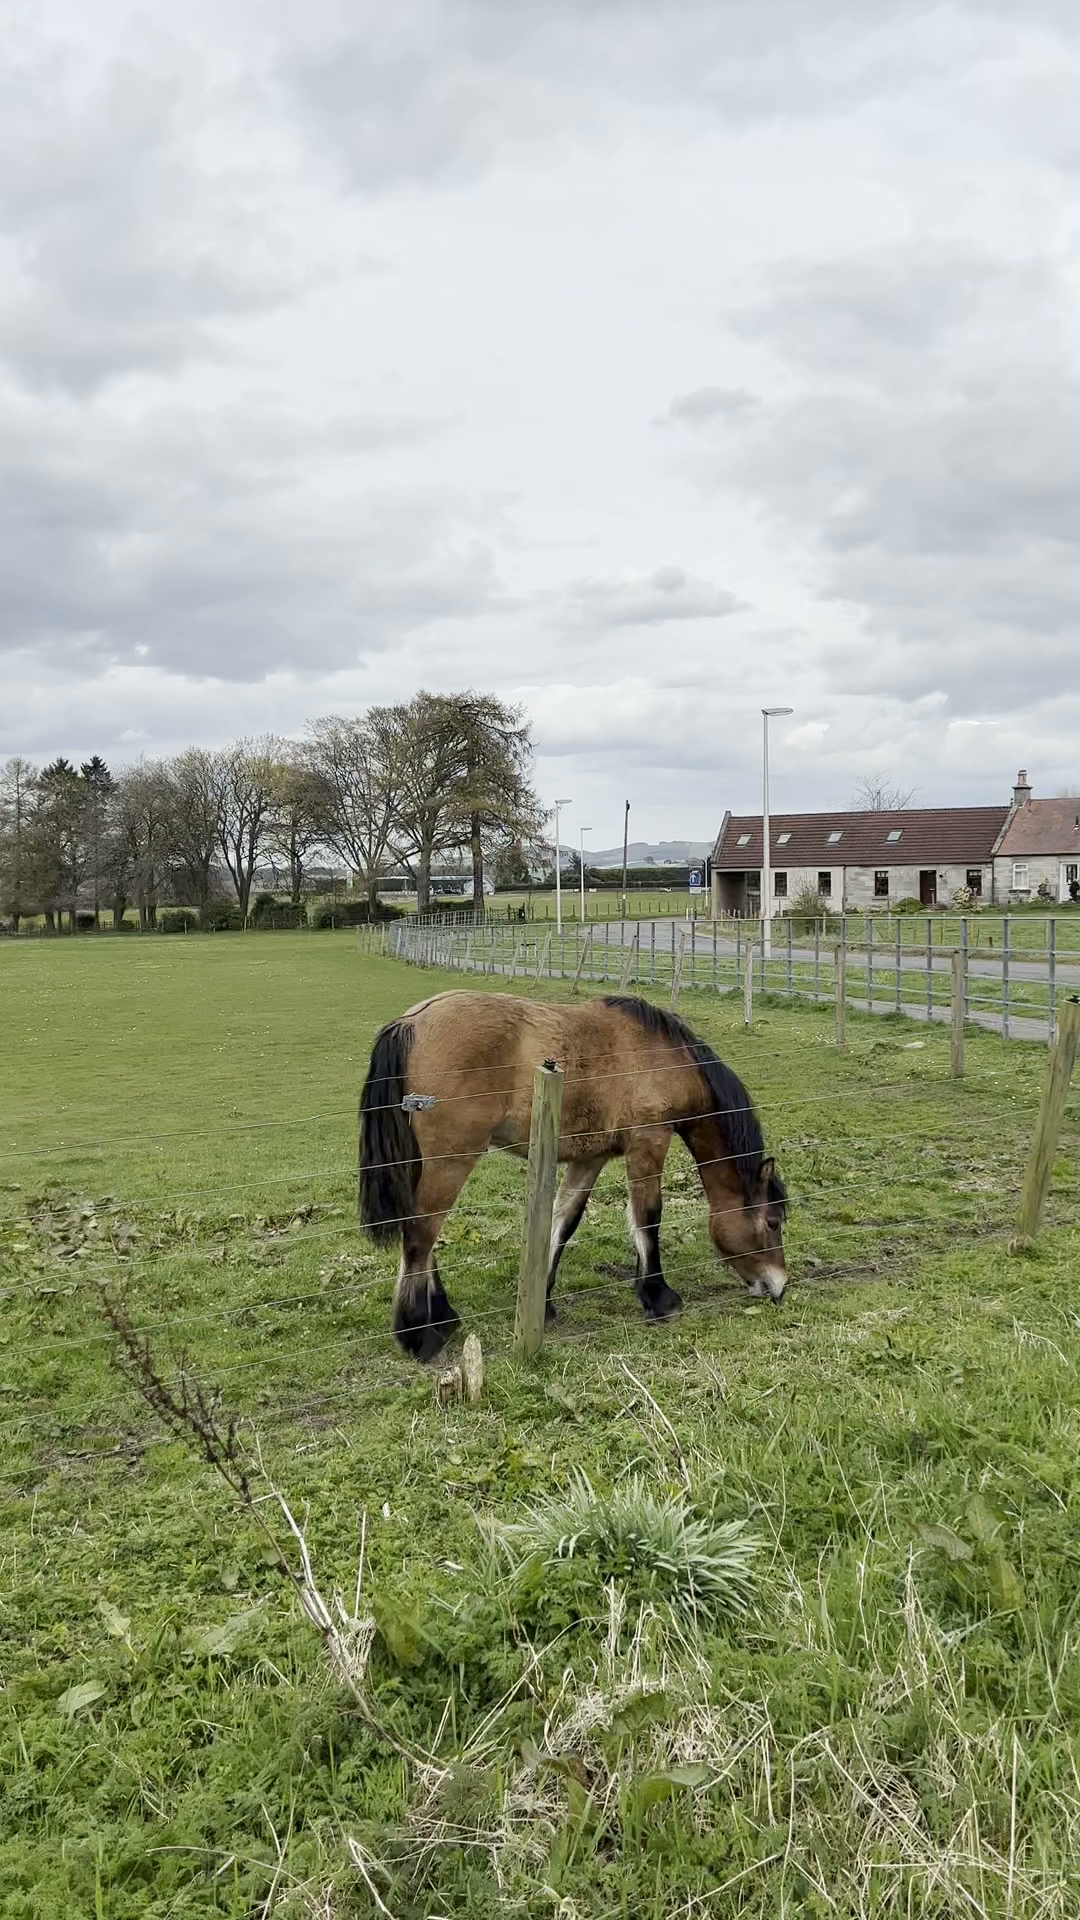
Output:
x=899 y=312
x=943 y=502
x=669 y=594
x=705 y=405
x=129 y=248
x=186 y=544
x=439 y=91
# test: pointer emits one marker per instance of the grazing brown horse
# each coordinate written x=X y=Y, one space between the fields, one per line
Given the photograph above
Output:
x=463 y=1064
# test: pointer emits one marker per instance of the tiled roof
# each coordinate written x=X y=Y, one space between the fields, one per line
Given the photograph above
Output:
x=928 y=836
x=1043 y=826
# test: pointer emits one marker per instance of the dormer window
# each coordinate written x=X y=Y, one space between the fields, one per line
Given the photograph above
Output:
x=894 y=834
x=743 y=840
x=835 y=838
x=782 y=839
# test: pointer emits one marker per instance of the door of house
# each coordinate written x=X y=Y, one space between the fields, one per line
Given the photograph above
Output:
x=928 y=887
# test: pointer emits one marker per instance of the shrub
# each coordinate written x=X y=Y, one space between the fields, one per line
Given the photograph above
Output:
x=220 y=916
x=909 y=905
x=1044 y=891
x=269 y=911
x=178 y=920
x=965 y=900
x=354 y=913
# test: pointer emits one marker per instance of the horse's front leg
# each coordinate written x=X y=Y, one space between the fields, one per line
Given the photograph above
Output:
x=573 y=1197
x=423 y=1316
x=644 y=1178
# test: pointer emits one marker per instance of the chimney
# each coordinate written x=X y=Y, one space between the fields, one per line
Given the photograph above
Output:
x=1022 y=789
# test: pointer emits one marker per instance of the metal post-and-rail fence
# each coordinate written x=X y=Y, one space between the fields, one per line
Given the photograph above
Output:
x=1002 y=981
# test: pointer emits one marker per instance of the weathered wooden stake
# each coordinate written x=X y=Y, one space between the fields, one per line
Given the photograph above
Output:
x=840 y=991
x=748 y=985
x=1048 y=1125
x=581 y=958
x=544 y=952
x=628 y=961
x=539 y=1206
x=958 y=1015
x=514 y=961
x=677 y=967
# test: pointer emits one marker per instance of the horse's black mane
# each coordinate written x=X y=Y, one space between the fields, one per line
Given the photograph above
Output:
x=729 y=1102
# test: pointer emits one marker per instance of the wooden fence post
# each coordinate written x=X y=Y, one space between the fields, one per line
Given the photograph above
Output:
x=581 y=958
x=958 y=1015
x=840 y=992
x=677 y=966
x=748 y=985
x=1048 y=1125
x=544 y=952
x=628 y=961
x=539 y=1206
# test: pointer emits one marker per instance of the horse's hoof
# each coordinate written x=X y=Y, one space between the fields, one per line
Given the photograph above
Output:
x=426 y=1342
x=664 y=1304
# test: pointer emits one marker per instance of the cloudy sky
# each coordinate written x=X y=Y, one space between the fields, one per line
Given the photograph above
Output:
x=646 y=360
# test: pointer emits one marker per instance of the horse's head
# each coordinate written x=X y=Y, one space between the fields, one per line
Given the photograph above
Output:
x=750 y=1237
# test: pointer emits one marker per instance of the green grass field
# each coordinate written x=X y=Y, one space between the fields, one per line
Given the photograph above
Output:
x=892 y=1729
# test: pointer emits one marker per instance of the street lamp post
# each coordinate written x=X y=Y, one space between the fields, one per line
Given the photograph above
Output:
x=581 y=874
x=558 y=863
x=767 y=714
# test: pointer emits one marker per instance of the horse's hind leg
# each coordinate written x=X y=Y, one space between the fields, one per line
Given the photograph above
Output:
x=423 y=1316
x=644 y=1178
x=573 y=1197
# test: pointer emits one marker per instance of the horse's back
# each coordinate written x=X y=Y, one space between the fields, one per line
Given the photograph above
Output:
x=477 y=1053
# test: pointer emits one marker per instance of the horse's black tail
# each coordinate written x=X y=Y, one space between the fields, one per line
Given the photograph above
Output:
x=390 y=1159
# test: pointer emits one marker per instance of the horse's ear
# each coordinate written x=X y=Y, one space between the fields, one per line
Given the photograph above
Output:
x=767 y=1170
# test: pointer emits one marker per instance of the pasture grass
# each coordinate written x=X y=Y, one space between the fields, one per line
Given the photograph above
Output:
x=892 y=1727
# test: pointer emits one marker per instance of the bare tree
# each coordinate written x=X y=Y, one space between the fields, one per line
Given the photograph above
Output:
x=876 y=793
x=18 y=787
x=139 y=851
x=430 y=751
x=245 y=780
x=501 y=803
x=296 y=825
x=354 y=765
x=192 y=823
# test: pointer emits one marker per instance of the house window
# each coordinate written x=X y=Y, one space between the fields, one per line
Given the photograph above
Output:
x=881 y=884
x=824 y=885
x=1020 y=876
x=782 y=839
x=835 y=838
x=1072 y=872
x=974 y=880
x=780 y=885
x=743 y=840
x=895 y=834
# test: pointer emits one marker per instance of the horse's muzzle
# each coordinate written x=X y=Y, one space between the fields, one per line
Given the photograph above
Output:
x=772 y=1283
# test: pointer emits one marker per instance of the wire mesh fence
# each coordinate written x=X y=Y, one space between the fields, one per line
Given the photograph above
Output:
x=1013 y=975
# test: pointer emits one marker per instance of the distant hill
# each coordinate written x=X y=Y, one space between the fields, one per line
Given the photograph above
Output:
x=644 y=853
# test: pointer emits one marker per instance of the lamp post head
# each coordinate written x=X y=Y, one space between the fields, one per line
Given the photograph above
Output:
x=774 y=713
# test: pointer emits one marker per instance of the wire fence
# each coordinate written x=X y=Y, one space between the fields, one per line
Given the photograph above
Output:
x=896 y=964
x=97 y=1253
x=161 y=1266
